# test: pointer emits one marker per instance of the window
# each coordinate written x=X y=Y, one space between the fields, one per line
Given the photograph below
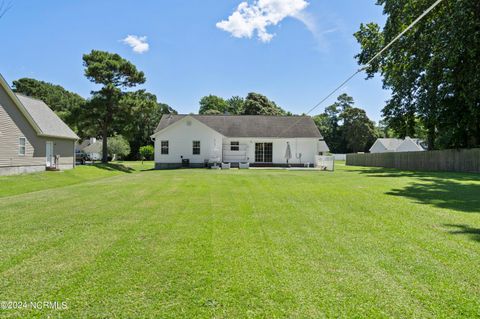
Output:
x=196 y=147
x=21 y=146
x=164 y=147
x=234 y=146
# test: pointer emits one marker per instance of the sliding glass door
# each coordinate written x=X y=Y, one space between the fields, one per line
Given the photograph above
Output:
x=263 y=152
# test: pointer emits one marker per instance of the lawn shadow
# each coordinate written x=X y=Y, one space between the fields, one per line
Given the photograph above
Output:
x=460 y=229
x=115 y=167
x=392 y=172
x=456 y=191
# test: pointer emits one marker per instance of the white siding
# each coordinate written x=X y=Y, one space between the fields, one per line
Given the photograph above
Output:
x=378 y=147
x=408 y=146
x=308 y=147
x=180 y=137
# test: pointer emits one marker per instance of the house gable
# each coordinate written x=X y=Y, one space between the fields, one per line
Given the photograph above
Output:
x=182 y=121
x=410 y=145
x=17 y=127
x=14 y=99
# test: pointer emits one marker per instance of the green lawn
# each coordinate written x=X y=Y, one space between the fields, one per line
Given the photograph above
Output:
x=126 y=243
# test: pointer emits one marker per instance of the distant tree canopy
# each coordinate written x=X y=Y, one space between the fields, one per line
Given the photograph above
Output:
x=257 y=104
x=432 y=71
x=253 y=104
x=140 y=113
x=64 y=103
x=345 y=128
x=212 y=104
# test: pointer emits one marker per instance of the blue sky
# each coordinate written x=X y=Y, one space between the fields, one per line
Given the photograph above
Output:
x=310 y=51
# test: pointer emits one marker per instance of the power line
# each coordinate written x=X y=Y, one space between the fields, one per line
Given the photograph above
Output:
x=376 y=56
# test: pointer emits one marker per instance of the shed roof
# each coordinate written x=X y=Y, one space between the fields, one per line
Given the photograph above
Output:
x=94 y=147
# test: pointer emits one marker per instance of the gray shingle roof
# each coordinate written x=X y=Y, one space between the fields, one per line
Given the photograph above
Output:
x=390 y=144
x=252 y=125
x=94 y=147
x=48 y=122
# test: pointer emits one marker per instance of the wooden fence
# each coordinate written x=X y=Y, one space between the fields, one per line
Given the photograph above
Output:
x=463 y=160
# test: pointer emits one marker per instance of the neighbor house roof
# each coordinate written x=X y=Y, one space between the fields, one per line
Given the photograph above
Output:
x=48 y=122
x=416 y=143
x=94 y=147
x=42 y=119
x=419 y=142
x=252 y=125
x=390 y=144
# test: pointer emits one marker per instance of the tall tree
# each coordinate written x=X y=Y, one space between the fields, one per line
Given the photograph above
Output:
x=213 y=104
x=114 y=74
x=64 y=103
x=432 y=70
x=344 y=127
x=140 y=115
x=257 y=104
x=357 y=129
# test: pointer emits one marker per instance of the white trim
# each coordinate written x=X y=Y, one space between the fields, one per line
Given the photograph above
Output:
x=47 y=164
x=24 y=146
x=161 y=147
x=199 y=147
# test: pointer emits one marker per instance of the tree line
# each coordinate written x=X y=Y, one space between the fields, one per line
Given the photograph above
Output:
x=432 y=71
x=253 y=104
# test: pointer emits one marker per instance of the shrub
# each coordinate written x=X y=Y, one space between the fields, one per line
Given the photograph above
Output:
x=118 y=147
x=146 y=152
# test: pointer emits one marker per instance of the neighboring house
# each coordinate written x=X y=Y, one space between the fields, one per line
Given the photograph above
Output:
x=384 y=145
x=194 y=140
x=32 y=136
x=92 y=147
x=412 y=145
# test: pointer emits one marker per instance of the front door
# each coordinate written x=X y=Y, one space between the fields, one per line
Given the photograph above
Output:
x=49 y=154
x=263 y=152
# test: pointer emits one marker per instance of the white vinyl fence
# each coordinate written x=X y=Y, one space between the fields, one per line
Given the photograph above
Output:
x=340 y=157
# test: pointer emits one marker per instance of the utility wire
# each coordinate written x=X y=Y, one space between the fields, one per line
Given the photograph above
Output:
x=376 y=56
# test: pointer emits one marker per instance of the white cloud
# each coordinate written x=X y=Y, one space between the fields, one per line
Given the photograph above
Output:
x=138 y=44
x=255 y=18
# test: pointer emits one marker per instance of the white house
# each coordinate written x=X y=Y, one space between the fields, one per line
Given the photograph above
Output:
x=384 y=145
x=196 y=140
x=92 y=148
x=412 y=145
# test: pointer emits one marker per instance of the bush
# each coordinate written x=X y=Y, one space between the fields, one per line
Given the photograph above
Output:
x=146 y=153
x=118 y=147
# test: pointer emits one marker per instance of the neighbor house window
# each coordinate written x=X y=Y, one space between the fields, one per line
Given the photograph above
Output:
x=22 y=142
x=196 y=147
x=164 y=147
x=234 y=146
